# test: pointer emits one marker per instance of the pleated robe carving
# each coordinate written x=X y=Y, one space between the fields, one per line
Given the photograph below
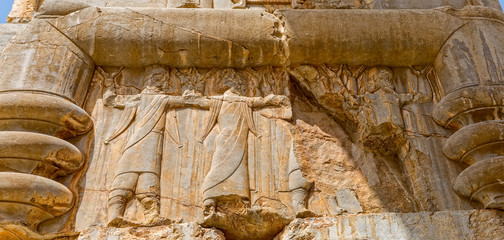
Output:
x=228 y=176
x=143 y=150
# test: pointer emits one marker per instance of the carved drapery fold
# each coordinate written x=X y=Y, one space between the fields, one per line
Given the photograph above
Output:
x=45 y=73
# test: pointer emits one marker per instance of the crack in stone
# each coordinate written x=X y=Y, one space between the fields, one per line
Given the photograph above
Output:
x=280 y=33
x=199 y=33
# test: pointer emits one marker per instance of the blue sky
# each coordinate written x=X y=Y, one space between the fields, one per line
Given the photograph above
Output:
x=5 y=6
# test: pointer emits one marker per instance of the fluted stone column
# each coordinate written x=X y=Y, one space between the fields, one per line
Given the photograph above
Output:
x=43 y=79
x=470 y=70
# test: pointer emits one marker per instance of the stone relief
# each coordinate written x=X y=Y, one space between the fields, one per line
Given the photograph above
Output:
x=380 y=120
x=24 y=10
x=228 y=174
x=366 y=97
x=232 y=115
x=340 y=4
x=254 y=129
x=138 y=169
x=397 y=127
x=155 y=132
x=187 y=127
x=152 y=119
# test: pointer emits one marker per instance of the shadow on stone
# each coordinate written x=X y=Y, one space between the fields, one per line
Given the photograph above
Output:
x=240 y=222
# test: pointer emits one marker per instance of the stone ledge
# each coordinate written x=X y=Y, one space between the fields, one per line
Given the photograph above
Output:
x=460 y=224
x=185 y=231
x=248 y=38
x=468 y=224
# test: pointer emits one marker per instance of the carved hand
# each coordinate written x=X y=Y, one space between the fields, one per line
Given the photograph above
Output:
x=109 y=98
x=190 y=98
x=421 y=98
x=277 y=100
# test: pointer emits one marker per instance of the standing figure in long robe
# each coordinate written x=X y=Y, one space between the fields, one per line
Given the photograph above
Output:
x=228 y=177
x=380 y=115
x=138 y=170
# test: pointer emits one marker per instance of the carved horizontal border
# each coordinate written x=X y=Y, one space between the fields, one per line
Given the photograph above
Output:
x=133 y=37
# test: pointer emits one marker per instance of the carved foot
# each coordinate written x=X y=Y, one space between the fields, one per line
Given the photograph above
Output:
x=120 y=222
x=241 y=5
x=305 y=213
x=209 y=209
x=159 y=221
x=209 y=213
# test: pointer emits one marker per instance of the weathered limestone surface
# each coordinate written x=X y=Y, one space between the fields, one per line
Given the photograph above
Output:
x=59 y=7
x=259 y=119
x=190 y=38
x=474 y=224
x=186 y=231
x=8 y=31
x=391 y=4
x=345 y=44
x=22 y=11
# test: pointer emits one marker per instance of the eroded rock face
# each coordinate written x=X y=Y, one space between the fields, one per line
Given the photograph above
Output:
x=184 y=231
x=424 y=225
x=254 y=223
x=150 y=120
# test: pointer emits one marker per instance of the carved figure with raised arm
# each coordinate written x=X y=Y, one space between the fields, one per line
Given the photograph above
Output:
x=228 y=178
x=138 y=170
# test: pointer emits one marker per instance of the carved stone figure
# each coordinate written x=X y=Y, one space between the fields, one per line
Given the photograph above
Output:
x=228 y=175
x=138 y=170
x=299 y=188
x=226 y=190
x=109 y=82
x=350 y=145
x=380 y=118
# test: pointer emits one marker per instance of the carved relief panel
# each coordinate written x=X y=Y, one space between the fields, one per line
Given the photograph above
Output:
x=206 y=144
x=196 y=157
x=270 y=130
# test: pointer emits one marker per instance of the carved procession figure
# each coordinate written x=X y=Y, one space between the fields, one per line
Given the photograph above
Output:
x=381 y=113
x=138 y=170
x=148 y=119
x=228 y=177
x=381 y=104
